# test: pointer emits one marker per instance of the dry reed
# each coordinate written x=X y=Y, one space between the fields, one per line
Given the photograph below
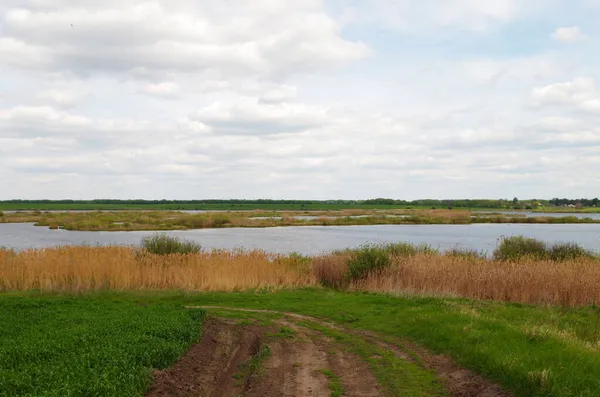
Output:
x=79 y=269
x=567 y=283
x=118 y=268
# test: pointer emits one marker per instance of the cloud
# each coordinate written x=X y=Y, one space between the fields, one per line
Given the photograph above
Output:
x=60 y=98
x=580 y=92
x=165 y=89
x=568 y=34
x=230 y=98
x=249 y=116
x=188 y=37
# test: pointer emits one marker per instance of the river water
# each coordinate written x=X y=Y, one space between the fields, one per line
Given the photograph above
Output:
x=312 y=240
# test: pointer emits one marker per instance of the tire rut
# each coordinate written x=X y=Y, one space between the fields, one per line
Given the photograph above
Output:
x=458 y=381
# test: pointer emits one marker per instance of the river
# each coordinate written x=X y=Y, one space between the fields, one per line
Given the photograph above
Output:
x=312 y=240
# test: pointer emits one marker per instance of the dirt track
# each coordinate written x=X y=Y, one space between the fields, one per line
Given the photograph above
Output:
x=297 y=364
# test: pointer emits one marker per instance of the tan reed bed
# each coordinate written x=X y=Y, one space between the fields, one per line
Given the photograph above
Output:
x=80 y=269
x=569 y=283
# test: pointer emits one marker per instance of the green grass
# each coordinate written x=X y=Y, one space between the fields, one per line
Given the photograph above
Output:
x=397 y=375
x=254 y=366
x=335 y=385
x=284 y=333
x=531 y=350
x=88 y=346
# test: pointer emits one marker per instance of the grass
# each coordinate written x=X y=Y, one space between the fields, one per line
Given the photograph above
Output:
x=397 y=375
x=335 y=385
x=254 y=365
x=531 y=350
x=88 y=346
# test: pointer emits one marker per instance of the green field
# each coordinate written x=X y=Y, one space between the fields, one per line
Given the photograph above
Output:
x=68 y=346
x=4 y=206
x=98 y=344
x=290 y=205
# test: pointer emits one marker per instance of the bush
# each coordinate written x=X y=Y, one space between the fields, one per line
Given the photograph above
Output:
x=1 y=214
x=407 y=249
x=567 y=251
x=517 y=247
x=514 y=248
x=162 y=244
x=465 y=253
x=367 y=259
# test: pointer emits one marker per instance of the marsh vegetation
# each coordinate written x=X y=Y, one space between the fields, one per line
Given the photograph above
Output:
x=176 y=220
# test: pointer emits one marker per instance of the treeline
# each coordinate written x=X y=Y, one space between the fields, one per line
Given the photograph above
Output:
x=584 y=202
x=447 y=203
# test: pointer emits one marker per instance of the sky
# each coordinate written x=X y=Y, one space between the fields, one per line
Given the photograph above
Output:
x=306 y=99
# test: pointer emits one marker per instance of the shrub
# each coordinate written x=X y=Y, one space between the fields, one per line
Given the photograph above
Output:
x=407 y=249
x=517 y=247
x=465 y=253
x=1 y=214
x=367 y=259
x=567 y=251
x=162 y=244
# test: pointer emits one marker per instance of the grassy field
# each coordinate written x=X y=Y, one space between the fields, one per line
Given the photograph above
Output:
x=176 y=220
x=109 y=341
x=5 y=206
x=88 y=346
x=288 y=205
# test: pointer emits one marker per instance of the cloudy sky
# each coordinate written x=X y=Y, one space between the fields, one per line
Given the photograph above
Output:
x=310 y=99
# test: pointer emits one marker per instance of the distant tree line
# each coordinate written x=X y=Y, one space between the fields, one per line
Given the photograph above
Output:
x=447 y=203
x=584 y=202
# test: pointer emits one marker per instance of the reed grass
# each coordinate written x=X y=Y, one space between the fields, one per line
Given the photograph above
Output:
x=81 y=269
x=567 y=282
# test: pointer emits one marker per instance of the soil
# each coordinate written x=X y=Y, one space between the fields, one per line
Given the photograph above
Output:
x=296 y=364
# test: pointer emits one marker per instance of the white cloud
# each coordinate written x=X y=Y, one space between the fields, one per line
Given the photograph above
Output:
x=164 y=89
x=581 y=93
x=230 y=98
x=260 y=38
x=568 y=34
x=59 y=98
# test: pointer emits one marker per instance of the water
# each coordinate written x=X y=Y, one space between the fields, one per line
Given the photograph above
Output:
x=312 y=240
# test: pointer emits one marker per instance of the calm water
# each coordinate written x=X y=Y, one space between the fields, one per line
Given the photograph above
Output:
x=314 y=239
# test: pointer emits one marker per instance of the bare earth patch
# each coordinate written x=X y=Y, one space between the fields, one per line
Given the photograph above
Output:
x=296 y=364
